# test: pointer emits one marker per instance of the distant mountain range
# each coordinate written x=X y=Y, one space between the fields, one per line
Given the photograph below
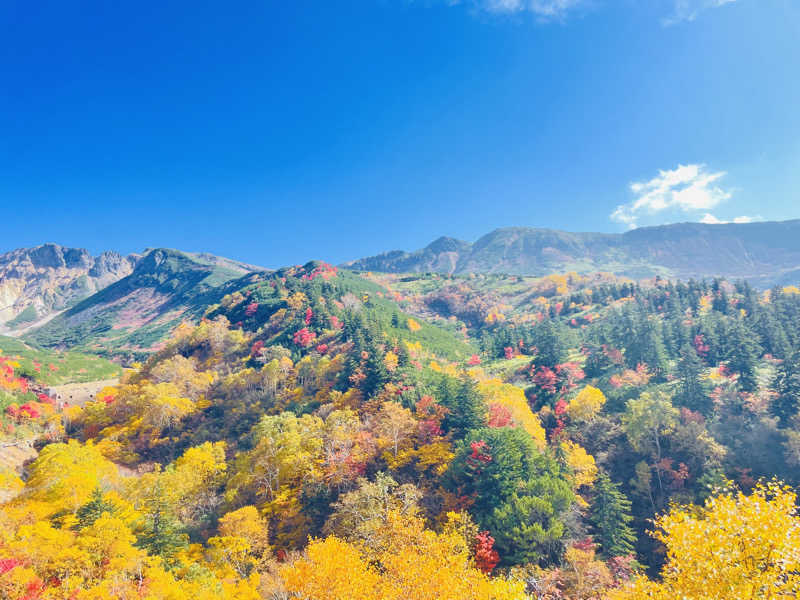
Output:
x=765 y=253
x=126 y=305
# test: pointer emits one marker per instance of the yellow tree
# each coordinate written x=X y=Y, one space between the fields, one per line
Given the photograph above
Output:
x=587 y=404
x=513 y=399
x=65 y=475
x=394 y=425
x=243 y=541
x=736 y=547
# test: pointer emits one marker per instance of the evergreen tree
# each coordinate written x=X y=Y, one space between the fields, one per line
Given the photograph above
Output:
x=467 y=408
x=611 y=518
x=692 y=395
x=741 y=354
x=162 y=534
x=93 y=510
x=551 y=344
x=786 y=403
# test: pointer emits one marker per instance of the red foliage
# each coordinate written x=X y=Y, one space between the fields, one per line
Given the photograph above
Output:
x=474 y=360
x=479 y=453
x=323 y=270
x=251 y=309
x=44 y=398
x=561 y=407
x=336 y=323
x=585 y=545
x=701 y=347
x=322 y=348
x=256 y=347
x=304 y=337
x=29 y=411
x=429 y=429
x=486 y=557
x=309 y=315
x=430 y=414
x=6 y=564
x=509 y=352
x=622 y=567
x=499 y=416
x=546 y=379
x=690 y=416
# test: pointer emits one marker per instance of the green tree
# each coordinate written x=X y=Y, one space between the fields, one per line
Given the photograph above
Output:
x=786 y=403
x=611 y=518
x=692 y=395
x=465 y=403
x=520 y=494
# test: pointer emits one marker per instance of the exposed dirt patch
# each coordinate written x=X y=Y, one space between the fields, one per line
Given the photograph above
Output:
x=78 y=393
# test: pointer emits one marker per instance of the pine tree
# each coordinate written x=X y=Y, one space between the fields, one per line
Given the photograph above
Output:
x=741 y=354
x=611 y=518
x=692 y=395
x=93 y=510
x=467 y=408
x=786 y=403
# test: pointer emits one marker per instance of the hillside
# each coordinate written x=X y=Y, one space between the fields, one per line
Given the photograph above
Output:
x=131 y=316
x=763 y=253
x=516 y=433
x=527 y=428
x=37 y=282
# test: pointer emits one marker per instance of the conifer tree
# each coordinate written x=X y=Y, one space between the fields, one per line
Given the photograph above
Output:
x=611 y=518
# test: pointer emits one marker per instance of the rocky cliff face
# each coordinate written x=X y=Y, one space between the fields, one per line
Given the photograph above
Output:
x=36 y=283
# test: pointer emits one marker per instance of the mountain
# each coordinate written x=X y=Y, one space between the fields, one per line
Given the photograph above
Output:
x=36 y=283
x=132 y=315
x=764 y=253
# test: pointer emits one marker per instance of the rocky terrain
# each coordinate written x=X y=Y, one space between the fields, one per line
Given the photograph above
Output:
x=36 y=283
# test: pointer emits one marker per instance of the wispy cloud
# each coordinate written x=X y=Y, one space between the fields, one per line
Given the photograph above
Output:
x=687 y=10
x=543 y=9
x=685 y=189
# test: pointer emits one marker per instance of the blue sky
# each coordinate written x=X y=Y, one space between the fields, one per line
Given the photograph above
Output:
x=277 y=132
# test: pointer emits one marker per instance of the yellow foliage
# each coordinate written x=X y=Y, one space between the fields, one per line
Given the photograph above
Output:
x=587 y=404
x=391 y=361
x=65 y=475
x=411 y=563
x=413 y=326
x=296 y=301
x=513 y=399
x=580 y=462
x=735 y=547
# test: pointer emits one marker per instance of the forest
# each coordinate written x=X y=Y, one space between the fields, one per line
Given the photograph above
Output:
x=328 y=434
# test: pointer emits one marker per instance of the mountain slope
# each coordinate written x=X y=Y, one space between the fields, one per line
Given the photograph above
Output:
x=37 y=282
x=764 y=253
x=132 y=315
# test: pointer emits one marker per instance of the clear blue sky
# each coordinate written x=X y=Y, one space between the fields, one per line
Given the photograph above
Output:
x=277 y=132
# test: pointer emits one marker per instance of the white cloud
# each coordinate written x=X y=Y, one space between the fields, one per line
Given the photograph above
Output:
x=685 y=189
x=710 y=219
x=687 y=10
x=544 y=9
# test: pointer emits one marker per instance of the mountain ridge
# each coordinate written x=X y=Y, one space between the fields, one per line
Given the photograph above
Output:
x=765 y=253
x=37 y=282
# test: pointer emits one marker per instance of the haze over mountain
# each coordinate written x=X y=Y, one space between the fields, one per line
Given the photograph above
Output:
x=764 y=253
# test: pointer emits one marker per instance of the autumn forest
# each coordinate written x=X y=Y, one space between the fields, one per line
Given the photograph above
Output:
x=327 y=434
